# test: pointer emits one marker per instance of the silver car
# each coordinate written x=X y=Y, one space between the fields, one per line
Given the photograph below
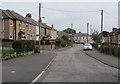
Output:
x=87 y=46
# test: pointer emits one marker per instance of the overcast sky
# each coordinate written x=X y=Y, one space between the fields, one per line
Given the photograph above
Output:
x=62 y=14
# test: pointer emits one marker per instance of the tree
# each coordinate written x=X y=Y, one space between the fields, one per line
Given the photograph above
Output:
x=65 y=37
x=70 y=31
x=96 y=37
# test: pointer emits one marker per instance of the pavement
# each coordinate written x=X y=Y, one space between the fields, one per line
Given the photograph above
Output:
x=27 y=68
x=73 y=65
x=104 y=58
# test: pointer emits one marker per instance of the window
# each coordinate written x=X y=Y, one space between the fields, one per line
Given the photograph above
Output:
x=11 y=36
x=27 y=27
x=11 y=23
x=24 y=26
x=20 y=26
x=30 y=27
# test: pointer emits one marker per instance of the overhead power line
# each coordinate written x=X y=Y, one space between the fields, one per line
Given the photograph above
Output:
x=110 y=15
x=68 y=11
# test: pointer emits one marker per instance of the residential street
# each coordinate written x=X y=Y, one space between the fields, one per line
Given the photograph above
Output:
x=59 y=42
x=73 y=65
x=25 y=69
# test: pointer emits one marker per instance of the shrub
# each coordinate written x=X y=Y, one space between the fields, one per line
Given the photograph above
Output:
x=18 y=46
x=95 y=44
x=30 y=45
x=58 y=42
x=23 y=45
x=115 y=51
x=63 y=43
x=108 y=49
x=65 y=37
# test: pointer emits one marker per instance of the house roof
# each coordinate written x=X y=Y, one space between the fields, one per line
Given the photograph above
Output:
x=115 y=32
x=81 y=34
x=12 y=15
x=77 y=34
x=118 y=31
x=61 y=33
x=105 y=33
x=46 y=26
x=32 y=21
x=8 y=14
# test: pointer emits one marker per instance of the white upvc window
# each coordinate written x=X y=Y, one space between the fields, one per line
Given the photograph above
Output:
x=11 y=36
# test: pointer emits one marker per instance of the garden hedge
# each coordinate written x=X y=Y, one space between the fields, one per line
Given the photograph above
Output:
x=23 y=45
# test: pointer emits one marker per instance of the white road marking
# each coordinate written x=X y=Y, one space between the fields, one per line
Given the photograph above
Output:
x=42 y=72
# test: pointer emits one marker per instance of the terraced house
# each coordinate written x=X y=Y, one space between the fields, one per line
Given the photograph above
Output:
x=46 y=32
x=17 y=27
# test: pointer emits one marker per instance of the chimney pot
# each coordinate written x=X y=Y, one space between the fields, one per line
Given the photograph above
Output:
x=29 y=15
x=52 y=26
x=114 y=29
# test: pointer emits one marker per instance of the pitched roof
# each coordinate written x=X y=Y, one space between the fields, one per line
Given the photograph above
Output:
x=61 y=33
x=8 y=14
x=46 y=26
x=32 y=21
x=81 y=34
x=13 y=15
x=105 y=33
x=118 y=31
x=115 y=32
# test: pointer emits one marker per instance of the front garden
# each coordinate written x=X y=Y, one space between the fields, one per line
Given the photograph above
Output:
x=106 y=48
x=22 y=48
x=19 y=48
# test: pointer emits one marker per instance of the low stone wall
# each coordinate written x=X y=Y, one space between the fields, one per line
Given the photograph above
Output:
x=47 y=47
x=7 y=44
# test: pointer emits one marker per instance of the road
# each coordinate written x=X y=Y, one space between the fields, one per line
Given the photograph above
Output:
x=73 y=65
x=25 y=69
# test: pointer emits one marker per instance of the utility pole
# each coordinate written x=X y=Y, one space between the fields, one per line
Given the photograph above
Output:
x=39 y=26
x=72 y=34
x=87 y=31
x=101 y=24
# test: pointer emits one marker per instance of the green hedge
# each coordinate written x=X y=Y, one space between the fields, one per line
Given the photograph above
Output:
x=112 y=50
x=95 y=44
x=23 y=45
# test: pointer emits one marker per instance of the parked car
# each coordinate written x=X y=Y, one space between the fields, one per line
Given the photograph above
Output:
x=87 y=46
x=76 y=42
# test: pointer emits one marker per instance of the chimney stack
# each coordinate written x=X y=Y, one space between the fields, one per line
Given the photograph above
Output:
x=114 y=29
x=29 y=15
x=52 y=26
